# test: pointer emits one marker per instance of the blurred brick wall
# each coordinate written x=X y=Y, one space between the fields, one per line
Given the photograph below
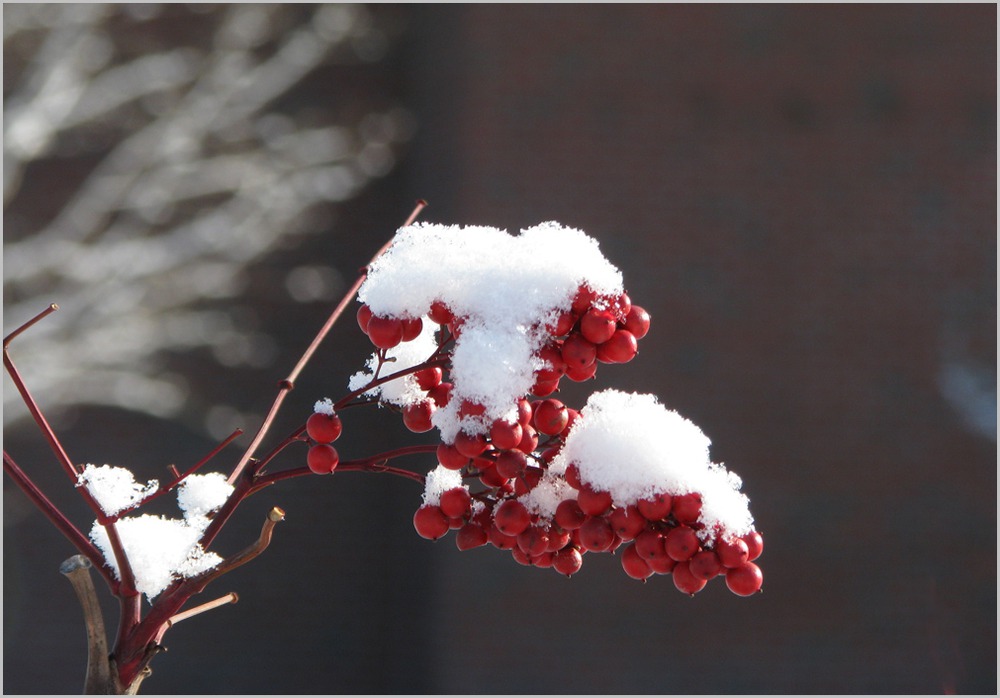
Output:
x=804 y=199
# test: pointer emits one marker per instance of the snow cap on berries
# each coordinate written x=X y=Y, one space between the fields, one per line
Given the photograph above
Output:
x=505 y=288
x=439 y=481
x=324 y=406
x=630 y=445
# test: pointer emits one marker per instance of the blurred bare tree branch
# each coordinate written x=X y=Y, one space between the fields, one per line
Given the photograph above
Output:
x=152 y=153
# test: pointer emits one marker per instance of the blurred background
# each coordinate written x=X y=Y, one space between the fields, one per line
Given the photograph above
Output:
x=803 y=197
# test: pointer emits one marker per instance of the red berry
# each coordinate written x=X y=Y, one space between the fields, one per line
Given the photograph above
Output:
x=489 y=475
x=578 y=375
x=527 y=480
x=522 y=557
x=506 y=435
x=567 y=561
x=470 y=445
x=364 y=316
x=686 y=508
x=456 y=502
x=533 y=540
x=637 y=322
x=544 y=560
x=430 y=522
x=511 y=517
x=732 y=552
x=385 y=332
x=440 y=394
x=634 y=566
x=584 y=297
x=681 y=543
x=664 y=564
x=417 y=417
x=322 y=459
x=470 y=536
x=593 y=502
x=745 y=579
x=621 y=306
x=705 y=565
x=595 y=534
x=627 y=522
x=569 y=515
x=655 y=508
x=524 y=411
x=439 y=313
x=551 y=354
x=450 y=457
x=597 y=326
x=428 y=378
x=571 y=417
x=573 y=476
x=511 y=463
x=578 y=352
x=501 y=540
x=324 y=428
x=558 y=538
x=550 y=417
x=412 y=327
x=529 y=440
x=755 y=544
x=685 y=581
x=619 y=349
x=562 y=325
x=649 y=545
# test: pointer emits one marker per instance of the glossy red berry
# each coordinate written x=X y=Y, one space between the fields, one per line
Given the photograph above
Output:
x=593 y=502
x=573 y=476
x=529 y=440
x=558 y=538
x=524 y=412
x=450 y=457
x=621 y=306
x=634 y=566
x=567 y=561
x=544 y=388
x=511 y=463
x=417 y=417
x=412 y=327
x=511 y=517
x=470 y=445
x=597 y=325
x=562 y=324
x=489 y=475
x=681 y=543
x=620 y=348
x=664 y=564
x=686 y=508
x=627 y=522
x=440 y=313
x=569 y=515
x=578 y=352
x=595 y=534
x=745 y=579
x=583 y=299
x=580 y=374
x=501 y=540
x=430 y=522
x=685 y=581
x=471 y=536
x=533 y=540
x=440 y=394
x=655 y=508
x=705 y=565
x=324 y=428
x=551 y=354
x=755 y=544
x=649 y=545
x=732 y=552
x=506 y=435
x=385 y=332
x=364 y=316
x=637 y=322
x=428 y=378
x=550 y=417
x=456 y=502
x=322 y=459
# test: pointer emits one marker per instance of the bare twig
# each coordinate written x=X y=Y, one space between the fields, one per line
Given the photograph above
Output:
x=229 y=598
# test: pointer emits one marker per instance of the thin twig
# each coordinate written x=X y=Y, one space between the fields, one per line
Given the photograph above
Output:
x=288 y=384
x=9 y=338
x=229 y=598
x=249 y=553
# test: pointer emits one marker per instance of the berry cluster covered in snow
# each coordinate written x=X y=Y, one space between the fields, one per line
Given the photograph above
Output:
x=485 y=325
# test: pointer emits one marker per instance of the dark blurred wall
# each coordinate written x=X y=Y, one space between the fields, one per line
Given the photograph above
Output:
x=804 y=198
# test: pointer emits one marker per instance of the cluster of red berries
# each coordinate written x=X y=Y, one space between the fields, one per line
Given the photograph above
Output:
x=323 y=428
